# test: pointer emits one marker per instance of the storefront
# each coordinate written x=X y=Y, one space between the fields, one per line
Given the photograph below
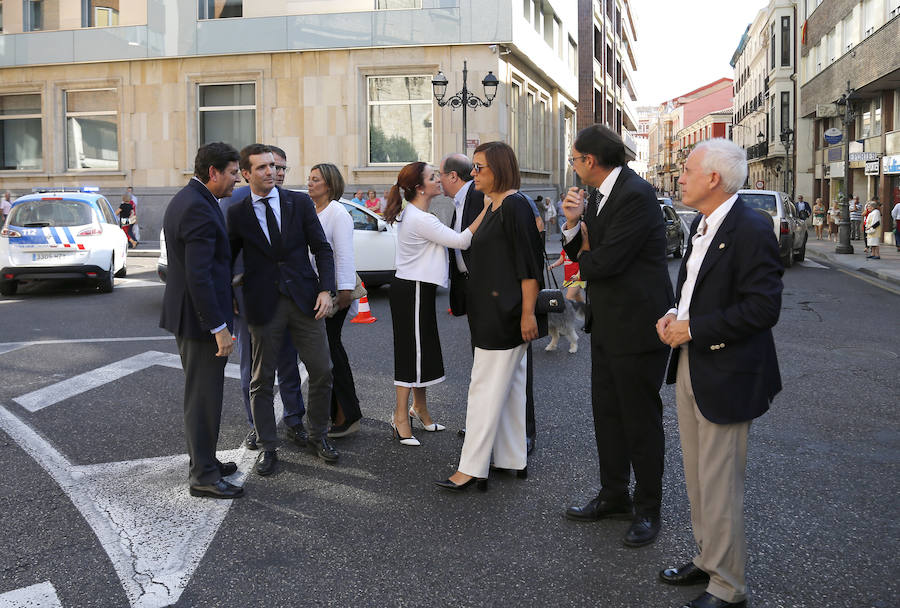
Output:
x=890 y=169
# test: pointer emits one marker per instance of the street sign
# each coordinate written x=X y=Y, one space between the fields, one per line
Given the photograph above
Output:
x=473 y=143
x=826 y=110
x=873 y=167
x=760 y=184
x=833 y=136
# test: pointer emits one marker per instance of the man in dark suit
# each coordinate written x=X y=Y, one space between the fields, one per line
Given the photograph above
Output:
x=456 y=180
x=620 y=247
x=276 y=230
x=724 y=364
x=197 y=308
x=287 y=371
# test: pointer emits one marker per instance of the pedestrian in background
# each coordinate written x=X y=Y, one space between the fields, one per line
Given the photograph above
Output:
x=803 y=209
x=834 y=217
x=819 y=214
x=895 y=215
x=126 y=215
x=5 y=205
x=560 y=216
x=373 y=203
x=325 y=185
x=724 y=364
x=136 y=228
x=855 y=218
x=422 y=264
x=874 y=230
x=359 y=198
x=502 y=292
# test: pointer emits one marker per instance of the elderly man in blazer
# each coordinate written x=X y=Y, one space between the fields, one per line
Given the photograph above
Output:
x=620 y=247
x=724 y=364
x=197 y=309
x=277 y=229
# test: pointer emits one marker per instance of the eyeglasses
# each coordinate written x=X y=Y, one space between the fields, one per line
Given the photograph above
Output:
x=572 y=159
x=281 y=168
x=477 y=168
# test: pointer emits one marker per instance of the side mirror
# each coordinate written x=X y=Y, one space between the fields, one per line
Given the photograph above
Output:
x=382 y=226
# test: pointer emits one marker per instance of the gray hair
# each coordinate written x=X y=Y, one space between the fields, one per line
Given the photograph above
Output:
x=726 y=158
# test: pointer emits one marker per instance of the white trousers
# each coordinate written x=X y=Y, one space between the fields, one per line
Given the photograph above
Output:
x=495 y=414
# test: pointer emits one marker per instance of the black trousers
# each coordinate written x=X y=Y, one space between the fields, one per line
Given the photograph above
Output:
x=628 y=424
x=204 y=375
x=343 y=390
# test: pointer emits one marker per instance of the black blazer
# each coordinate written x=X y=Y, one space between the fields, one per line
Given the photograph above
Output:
x=735 y=303
x=627 y=277
x=198 y=285
x=472 y=206
x=301 y=233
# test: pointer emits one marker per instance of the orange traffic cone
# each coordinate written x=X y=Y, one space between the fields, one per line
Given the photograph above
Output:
x=364 y=315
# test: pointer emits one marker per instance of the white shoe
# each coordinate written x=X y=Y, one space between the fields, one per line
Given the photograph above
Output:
x=411 y=440
x=431 y=428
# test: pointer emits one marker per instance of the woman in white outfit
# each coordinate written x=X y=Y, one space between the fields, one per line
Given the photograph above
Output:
x=422 y=265
x=873 y=232
x=325 y=185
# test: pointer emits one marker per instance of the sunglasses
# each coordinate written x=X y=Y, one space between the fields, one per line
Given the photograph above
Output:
x=477 y=168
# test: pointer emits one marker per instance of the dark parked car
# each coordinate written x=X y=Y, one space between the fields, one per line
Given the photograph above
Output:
x=674 y=231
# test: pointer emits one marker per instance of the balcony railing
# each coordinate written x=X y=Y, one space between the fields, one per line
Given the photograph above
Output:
x=760 y=150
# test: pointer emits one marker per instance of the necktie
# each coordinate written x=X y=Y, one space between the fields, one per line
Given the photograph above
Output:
x=598 y=198
x=272 y=224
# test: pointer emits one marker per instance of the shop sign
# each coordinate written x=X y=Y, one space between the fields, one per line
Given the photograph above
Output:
x=833 y=136
x=864 y=156
x=835 y=154
x=872 y=167
x=837 y=170
x=890 y=164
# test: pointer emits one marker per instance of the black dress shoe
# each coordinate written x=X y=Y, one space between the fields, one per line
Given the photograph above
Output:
x=226 y=468
x=297 y=434
x=219 y=489
x=250 y=440
x=265 y=463
x=529 y=444
x=643 y=531
x=520 y=473
x=481 y=484
x=323 y=450
x=461 y=432
x=706 y=600
x=688 y=574
x=600 y=508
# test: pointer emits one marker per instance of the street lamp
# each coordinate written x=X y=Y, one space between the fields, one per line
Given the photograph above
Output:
x=787 y=135
x=464 y=99
x=843 y=245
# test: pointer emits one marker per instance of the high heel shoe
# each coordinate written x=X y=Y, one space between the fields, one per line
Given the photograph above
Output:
x=395 y=434
x=431 y=428
x=520 y=473
x=480 y=483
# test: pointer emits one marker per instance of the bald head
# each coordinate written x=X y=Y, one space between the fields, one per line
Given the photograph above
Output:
x=456 y=170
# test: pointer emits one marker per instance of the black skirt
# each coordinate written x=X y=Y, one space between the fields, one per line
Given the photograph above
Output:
x=417 y=348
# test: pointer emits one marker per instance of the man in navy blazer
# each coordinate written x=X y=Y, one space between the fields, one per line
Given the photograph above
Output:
x=620 y=247
x=724 y=364
x=197 y=308
x=276 y=230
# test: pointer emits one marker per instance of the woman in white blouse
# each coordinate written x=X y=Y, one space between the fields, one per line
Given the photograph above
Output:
x=422 y=265
x=326 y=185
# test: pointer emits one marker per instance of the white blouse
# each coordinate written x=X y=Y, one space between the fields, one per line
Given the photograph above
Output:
x=422 y=242
x=338 y=227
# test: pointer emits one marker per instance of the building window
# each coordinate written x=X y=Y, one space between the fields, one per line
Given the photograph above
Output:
x=99 y=13
x=772 y=44
x=876 y=116
x=393 y=4
x=573 y=57
x=92 y=130
x=536 y=17
x=515 y=91
x=39 y=15
x=785 y=110
x=529 y=131
x=526 y=9
x=786 y=41
x=220 y=9
x=227 y=113
x=866 y=123
x=400 y=119
x=20 y=132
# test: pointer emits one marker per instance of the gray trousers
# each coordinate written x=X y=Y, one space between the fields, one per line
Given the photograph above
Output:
x=204 y=375
x=309 y=338
x=855 y=229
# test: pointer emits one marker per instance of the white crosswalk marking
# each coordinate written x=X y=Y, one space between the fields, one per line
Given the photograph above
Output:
x=811 y=264
x=42 y=595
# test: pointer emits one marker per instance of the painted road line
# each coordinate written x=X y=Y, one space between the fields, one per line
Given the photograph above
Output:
x=153 y=531
x=811 y=264
x=138 y=283
x=42 y=595
x=83 y=341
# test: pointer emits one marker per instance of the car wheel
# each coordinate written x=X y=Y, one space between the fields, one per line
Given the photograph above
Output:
x=801 y=255
x=679 y=251
x=123 y=271
x=788 y=260
x=8 y=288
x=106 y=284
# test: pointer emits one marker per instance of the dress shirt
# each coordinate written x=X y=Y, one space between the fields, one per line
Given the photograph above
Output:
x=895 y=212
x=459 y=201
x=706 y=232
x=338 y=228
x=214 y=330
x=422 y=242
x=259 y=208
x=604 y=189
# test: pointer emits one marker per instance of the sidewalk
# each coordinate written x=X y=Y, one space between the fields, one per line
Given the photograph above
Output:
x=886 y=269
x=145 y=249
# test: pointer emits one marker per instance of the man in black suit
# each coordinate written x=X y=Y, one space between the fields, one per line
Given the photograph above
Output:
x=456 y=180
x=620 y=247
x=277 y=229
x=724 y=364
x=197 y=308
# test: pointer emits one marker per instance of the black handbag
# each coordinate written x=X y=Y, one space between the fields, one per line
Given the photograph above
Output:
x=548 y=300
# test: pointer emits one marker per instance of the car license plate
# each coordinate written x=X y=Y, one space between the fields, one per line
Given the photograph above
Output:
x=36 y=257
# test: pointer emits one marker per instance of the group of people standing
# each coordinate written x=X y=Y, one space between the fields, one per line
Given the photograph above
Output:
x=865 y=223
x=728 y=295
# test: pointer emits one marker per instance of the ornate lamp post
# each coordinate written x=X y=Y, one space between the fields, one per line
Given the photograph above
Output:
x=464 y=99
x=844 y=245
x=787 y=135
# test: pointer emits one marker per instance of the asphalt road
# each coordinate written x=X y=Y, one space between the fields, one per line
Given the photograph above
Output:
x=95 y=511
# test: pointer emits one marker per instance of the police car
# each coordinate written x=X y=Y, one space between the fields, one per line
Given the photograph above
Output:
x=62 y=234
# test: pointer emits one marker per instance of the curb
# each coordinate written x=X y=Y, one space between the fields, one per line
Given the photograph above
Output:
x=887 y=277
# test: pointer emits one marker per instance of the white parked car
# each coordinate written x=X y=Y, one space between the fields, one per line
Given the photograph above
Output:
x=374 y=247
x=789 y=227
x=62 y=234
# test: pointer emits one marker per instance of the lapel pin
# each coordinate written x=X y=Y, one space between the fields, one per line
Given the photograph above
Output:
x=721 y=245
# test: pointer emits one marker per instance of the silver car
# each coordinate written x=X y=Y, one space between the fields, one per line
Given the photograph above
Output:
x=790 y=229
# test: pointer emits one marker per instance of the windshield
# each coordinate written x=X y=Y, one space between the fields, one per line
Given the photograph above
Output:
x=41 y=213
x=763 y=202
